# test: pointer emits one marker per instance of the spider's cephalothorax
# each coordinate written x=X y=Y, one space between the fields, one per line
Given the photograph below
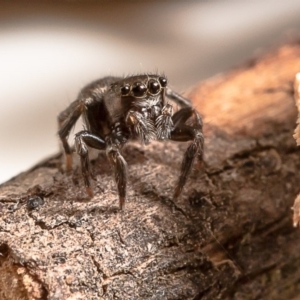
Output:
x=116 y=110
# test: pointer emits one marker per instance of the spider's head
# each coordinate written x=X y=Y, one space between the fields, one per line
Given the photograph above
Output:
x=143 y=86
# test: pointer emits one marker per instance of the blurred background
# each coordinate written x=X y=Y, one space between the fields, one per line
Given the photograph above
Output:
x=49 y=50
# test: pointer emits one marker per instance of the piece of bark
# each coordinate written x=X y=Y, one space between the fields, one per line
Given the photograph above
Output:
x=229 y=236
x=296 y=207
x=297 y=100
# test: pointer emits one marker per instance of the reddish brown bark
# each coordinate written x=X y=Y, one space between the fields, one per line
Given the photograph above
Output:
x=230 y=235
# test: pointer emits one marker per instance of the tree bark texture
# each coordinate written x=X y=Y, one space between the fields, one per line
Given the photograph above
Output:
x=229 y=236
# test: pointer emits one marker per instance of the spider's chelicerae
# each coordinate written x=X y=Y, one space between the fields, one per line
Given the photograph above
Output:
x=116 y=110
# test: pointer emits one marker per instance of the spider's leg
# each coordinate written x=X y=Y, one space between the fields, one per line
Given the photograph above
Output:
x=120 y=169
x=82 y=140
x=177 y=98
x=66 y=121
x=183 y=132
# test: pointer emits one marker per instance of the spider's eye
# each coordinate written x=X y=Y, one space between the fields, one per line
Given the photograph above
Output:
x=125 y=90
x=153 y=87
x=139 y=89
x=163 y=81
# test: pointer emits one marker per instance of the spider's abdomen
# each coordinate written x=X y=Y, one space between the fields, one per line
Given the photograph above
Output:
x=96 y=116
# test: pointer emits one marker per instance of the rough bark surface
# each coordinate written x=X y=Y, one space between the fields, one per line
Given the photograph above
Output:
x=229 y=236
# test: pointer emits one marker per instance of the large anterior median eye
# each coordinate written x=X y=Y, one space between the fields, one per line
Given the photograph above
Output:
x=139 y=89
x=153 y=86
x=125 y=90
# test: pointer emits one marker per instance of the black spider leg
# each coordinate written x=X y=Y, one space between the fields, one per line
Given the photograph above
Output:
x=183 y=132
x=120 y=170
x=82 y=140
x=66 y=121
x=177 y=98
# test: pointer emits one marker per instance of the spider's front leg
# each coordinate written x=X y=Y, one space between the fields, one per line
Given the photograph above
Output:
x=120 y=170
x=82 y=140
x=66 y=121
x=85 y=138
x=183 y=132
x=177 y=98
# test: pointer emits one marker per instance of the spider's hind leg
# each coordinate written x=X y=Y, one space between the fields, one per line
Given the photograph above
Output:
x=183 y=132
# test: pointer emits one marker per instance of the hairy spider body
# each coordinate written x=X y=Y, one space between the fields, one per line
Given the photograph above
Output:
x=116 y=110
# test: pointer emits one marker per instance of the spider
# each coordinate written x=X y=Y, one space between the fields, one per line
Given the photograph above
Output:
x=117 y=110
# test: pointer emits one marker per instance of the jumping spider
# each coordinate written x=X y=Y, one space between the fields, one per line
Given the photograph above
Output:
x=116 y=110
